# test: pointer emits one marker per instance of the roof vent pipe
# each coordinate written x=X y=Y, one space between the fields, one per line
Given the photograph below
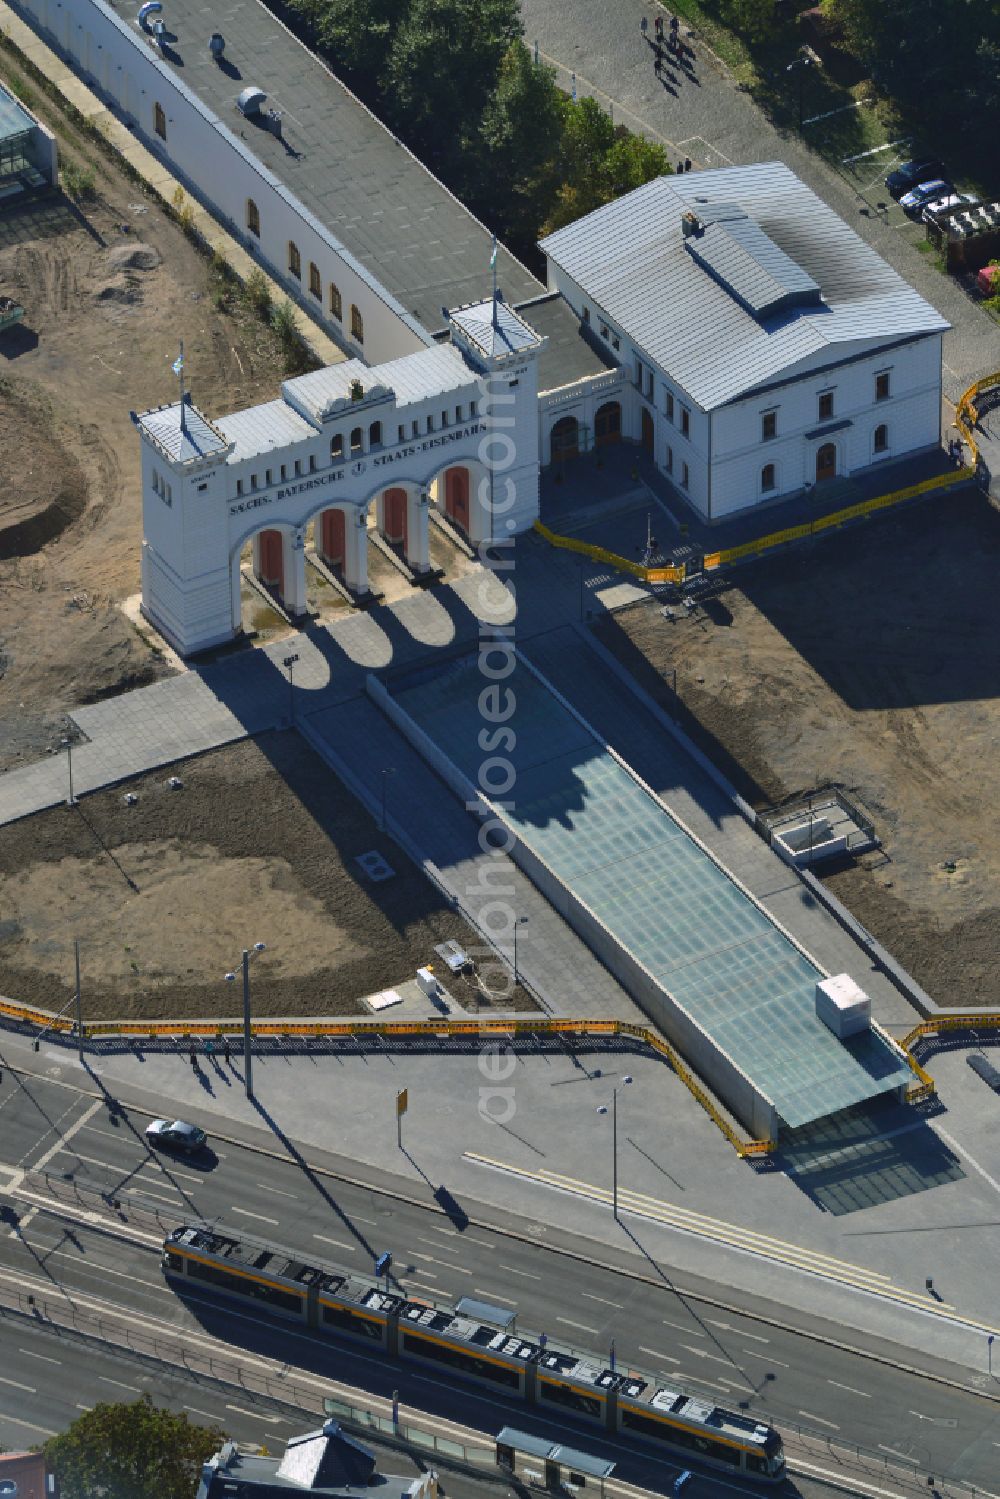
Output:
x=217 y=44
x=690 y=224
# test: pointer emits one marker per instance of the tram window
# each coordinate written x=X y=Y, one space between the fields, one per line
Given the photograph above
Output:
x=561 y=1394
x=457 y=1358
x=756 y=1464
x=174 y=1262
x=275 y=1296
x=662 y=1431
x=365 y=1327
x=218 y=1277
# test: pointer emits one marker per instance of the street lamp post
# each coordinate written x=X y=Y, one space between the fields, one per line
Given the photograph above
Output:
x=518 y=921
x=800 y=64
x=289 y=664
x=79 y=1003
x=603 y=1109
x=247 y=1035
x=387 y=771
x=67 y=745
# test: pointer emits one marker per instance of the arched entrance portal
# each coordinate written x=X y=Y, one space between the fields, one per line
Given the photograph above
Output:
x=269 y=560
x=565 y=439
x=647 y=432
x=456 y=496
x=331 y=539
x=394 y=502
x=826 y=462
x=608 y=424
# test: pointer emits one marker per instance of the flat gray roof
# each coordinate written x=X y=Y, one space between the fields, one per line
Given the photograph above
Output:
x=569 y=355
x=721 y=956
x=632 y=258
x=353 y=175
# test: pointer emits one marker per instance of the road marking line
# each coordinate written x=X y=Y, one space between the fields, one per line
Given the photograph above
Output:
x=24 y=1223
x=209 y=1415
x=692 y=1332
x=65 y=1138
x=859 y=1484
x=84 y=1407
x=851 y=1390
x=278 y=1190
x=654 y=1353
x=971 y=1159
x=893 y=1452
x=841 y=108
x=590 y=1297
x=258 y=1415
x=832 y=1424
x=246 y=1213
x=16 y=1384
x=482 y=1291
x=34 y=1425
x=43 y=1356
x=581 y=1325
x=754 y=1337
x=338 y=1242
x=875 y=151
x=133 y=1387
x=528 y=1275
x=768 y=1358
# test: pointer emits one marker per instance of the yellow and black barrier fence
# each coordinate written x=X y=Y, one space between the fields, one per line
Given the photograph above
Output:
x=665 y=574
x=192 y=1032
x=967 y=413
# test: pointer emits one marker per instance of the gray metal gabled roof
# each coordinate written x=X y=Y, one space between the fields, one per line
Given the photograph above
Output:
x=745 y=262
x=630 y=258
x=495 y=329
x=184 y=434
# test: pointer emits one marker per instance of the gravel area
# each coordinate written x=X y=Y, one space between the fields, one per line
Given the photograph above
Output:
x=258 y=844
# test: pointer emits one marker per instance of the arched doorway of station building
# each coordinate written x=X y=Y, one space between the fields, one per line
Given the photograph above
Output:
x=394 y=512
x=330 y=537
x=565 y=439
x=826 y=462
x=608 y=424
x=456 y=497
x=262 y=574
x=647 y=432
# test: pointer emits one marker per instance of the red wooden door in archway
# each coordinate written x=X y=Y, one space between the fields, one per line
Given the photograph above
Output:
x=826 y=462
x=332 y=537
x=394 y=512
x=456 y=496
x=271 y=571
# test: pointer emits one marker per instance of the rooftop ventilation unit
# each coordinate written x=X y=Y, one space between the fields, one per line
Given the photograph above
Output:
x=217 y=44
x=251 y=101
x=151 y=8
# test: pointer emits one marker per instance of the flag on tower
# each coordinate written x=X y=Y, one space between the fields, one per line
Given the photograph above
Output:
x=493 y=256
x=178 y=364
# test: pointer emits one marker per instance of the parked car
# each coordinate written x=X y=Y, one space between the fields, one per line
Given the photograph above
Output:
x=941 y=205
x=985 y=1069
x=909 y=173
x=178 y=1135
x=925 y=192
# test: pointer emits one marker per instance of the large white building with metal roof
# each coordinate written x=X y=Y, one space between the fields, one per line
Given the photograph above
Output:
x=768 y=348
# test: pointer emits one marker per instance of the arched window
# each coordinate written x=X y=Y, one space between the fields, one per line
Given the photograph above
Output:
x=294 y=259
x=882 y=438
x=315 y=284
x=767 y=478
x=253 y=217
x=357 y=440
x=357 y=325
x=375 y=435
x=336 y=304
x=337 y=447
x=160 y=121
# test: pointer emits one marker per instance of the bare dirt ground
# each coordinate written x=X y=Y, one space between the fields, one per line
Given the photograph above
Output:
x=258 y=845
x=871 y=663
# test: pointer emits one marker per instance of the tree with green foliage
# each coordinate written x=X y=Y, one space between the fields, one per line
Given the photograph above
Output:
x=755 y=21
x=519 y=144
x=598 y=161
x=131 y=1451
x=355 y=35
x=442 y=68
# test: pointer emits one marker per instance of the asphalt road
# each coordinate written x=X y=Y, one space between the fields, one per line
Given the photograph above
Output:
x=734 y=1356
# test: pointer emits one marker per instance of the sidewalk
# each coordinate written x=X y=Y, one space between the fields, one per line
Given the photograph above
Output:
x=155 y=173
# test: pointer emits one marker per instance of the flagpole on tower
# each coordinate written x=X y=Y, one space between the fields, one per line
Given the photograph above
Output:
x=493 y=267
x=178 y=369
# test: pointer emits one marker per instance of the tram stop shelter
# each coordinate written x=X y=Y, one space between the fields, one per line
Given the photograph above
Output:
x=559 y=1465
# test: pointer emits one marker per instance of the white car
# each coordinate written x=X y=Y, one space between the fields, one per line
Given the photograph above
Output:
x=178 y=1135
x=941 y=205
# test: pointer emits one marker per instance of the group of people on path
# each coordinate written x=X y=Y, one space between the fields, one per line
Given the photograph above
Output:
x=666 y=44
x=210 y=1052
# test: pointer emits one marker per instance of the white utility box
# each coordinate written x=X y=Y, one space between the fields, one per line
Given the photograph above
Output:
x=427 y=983
x=843 y=1006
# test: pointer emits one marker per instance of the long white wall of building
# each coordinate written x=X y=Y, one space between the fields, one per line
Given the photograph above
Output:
x=121 y=63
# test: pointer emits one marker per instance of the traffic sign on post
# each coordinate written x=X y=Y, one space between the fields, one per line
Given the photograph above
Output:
x=402 y=1104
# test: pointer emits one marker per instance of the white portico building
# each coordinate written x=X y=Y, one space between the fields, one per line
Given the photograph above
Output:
x=453 y=426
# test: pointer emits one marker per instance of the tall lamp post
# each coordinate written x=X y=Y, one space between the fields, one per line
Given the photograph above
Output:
x=67 y=745
x=603 y=1109
x=248 y=952
x=800 y=64
x=289 y=665
x=518 y=921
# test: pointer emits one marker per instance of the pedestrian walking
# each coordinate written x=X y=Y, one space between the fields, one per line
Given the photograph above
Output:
x=659 y=28
x=225 y=1049
x=644 y=26
x=194 y=1058
x=209 y=1049
x=687 y=163
x=674 y=25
